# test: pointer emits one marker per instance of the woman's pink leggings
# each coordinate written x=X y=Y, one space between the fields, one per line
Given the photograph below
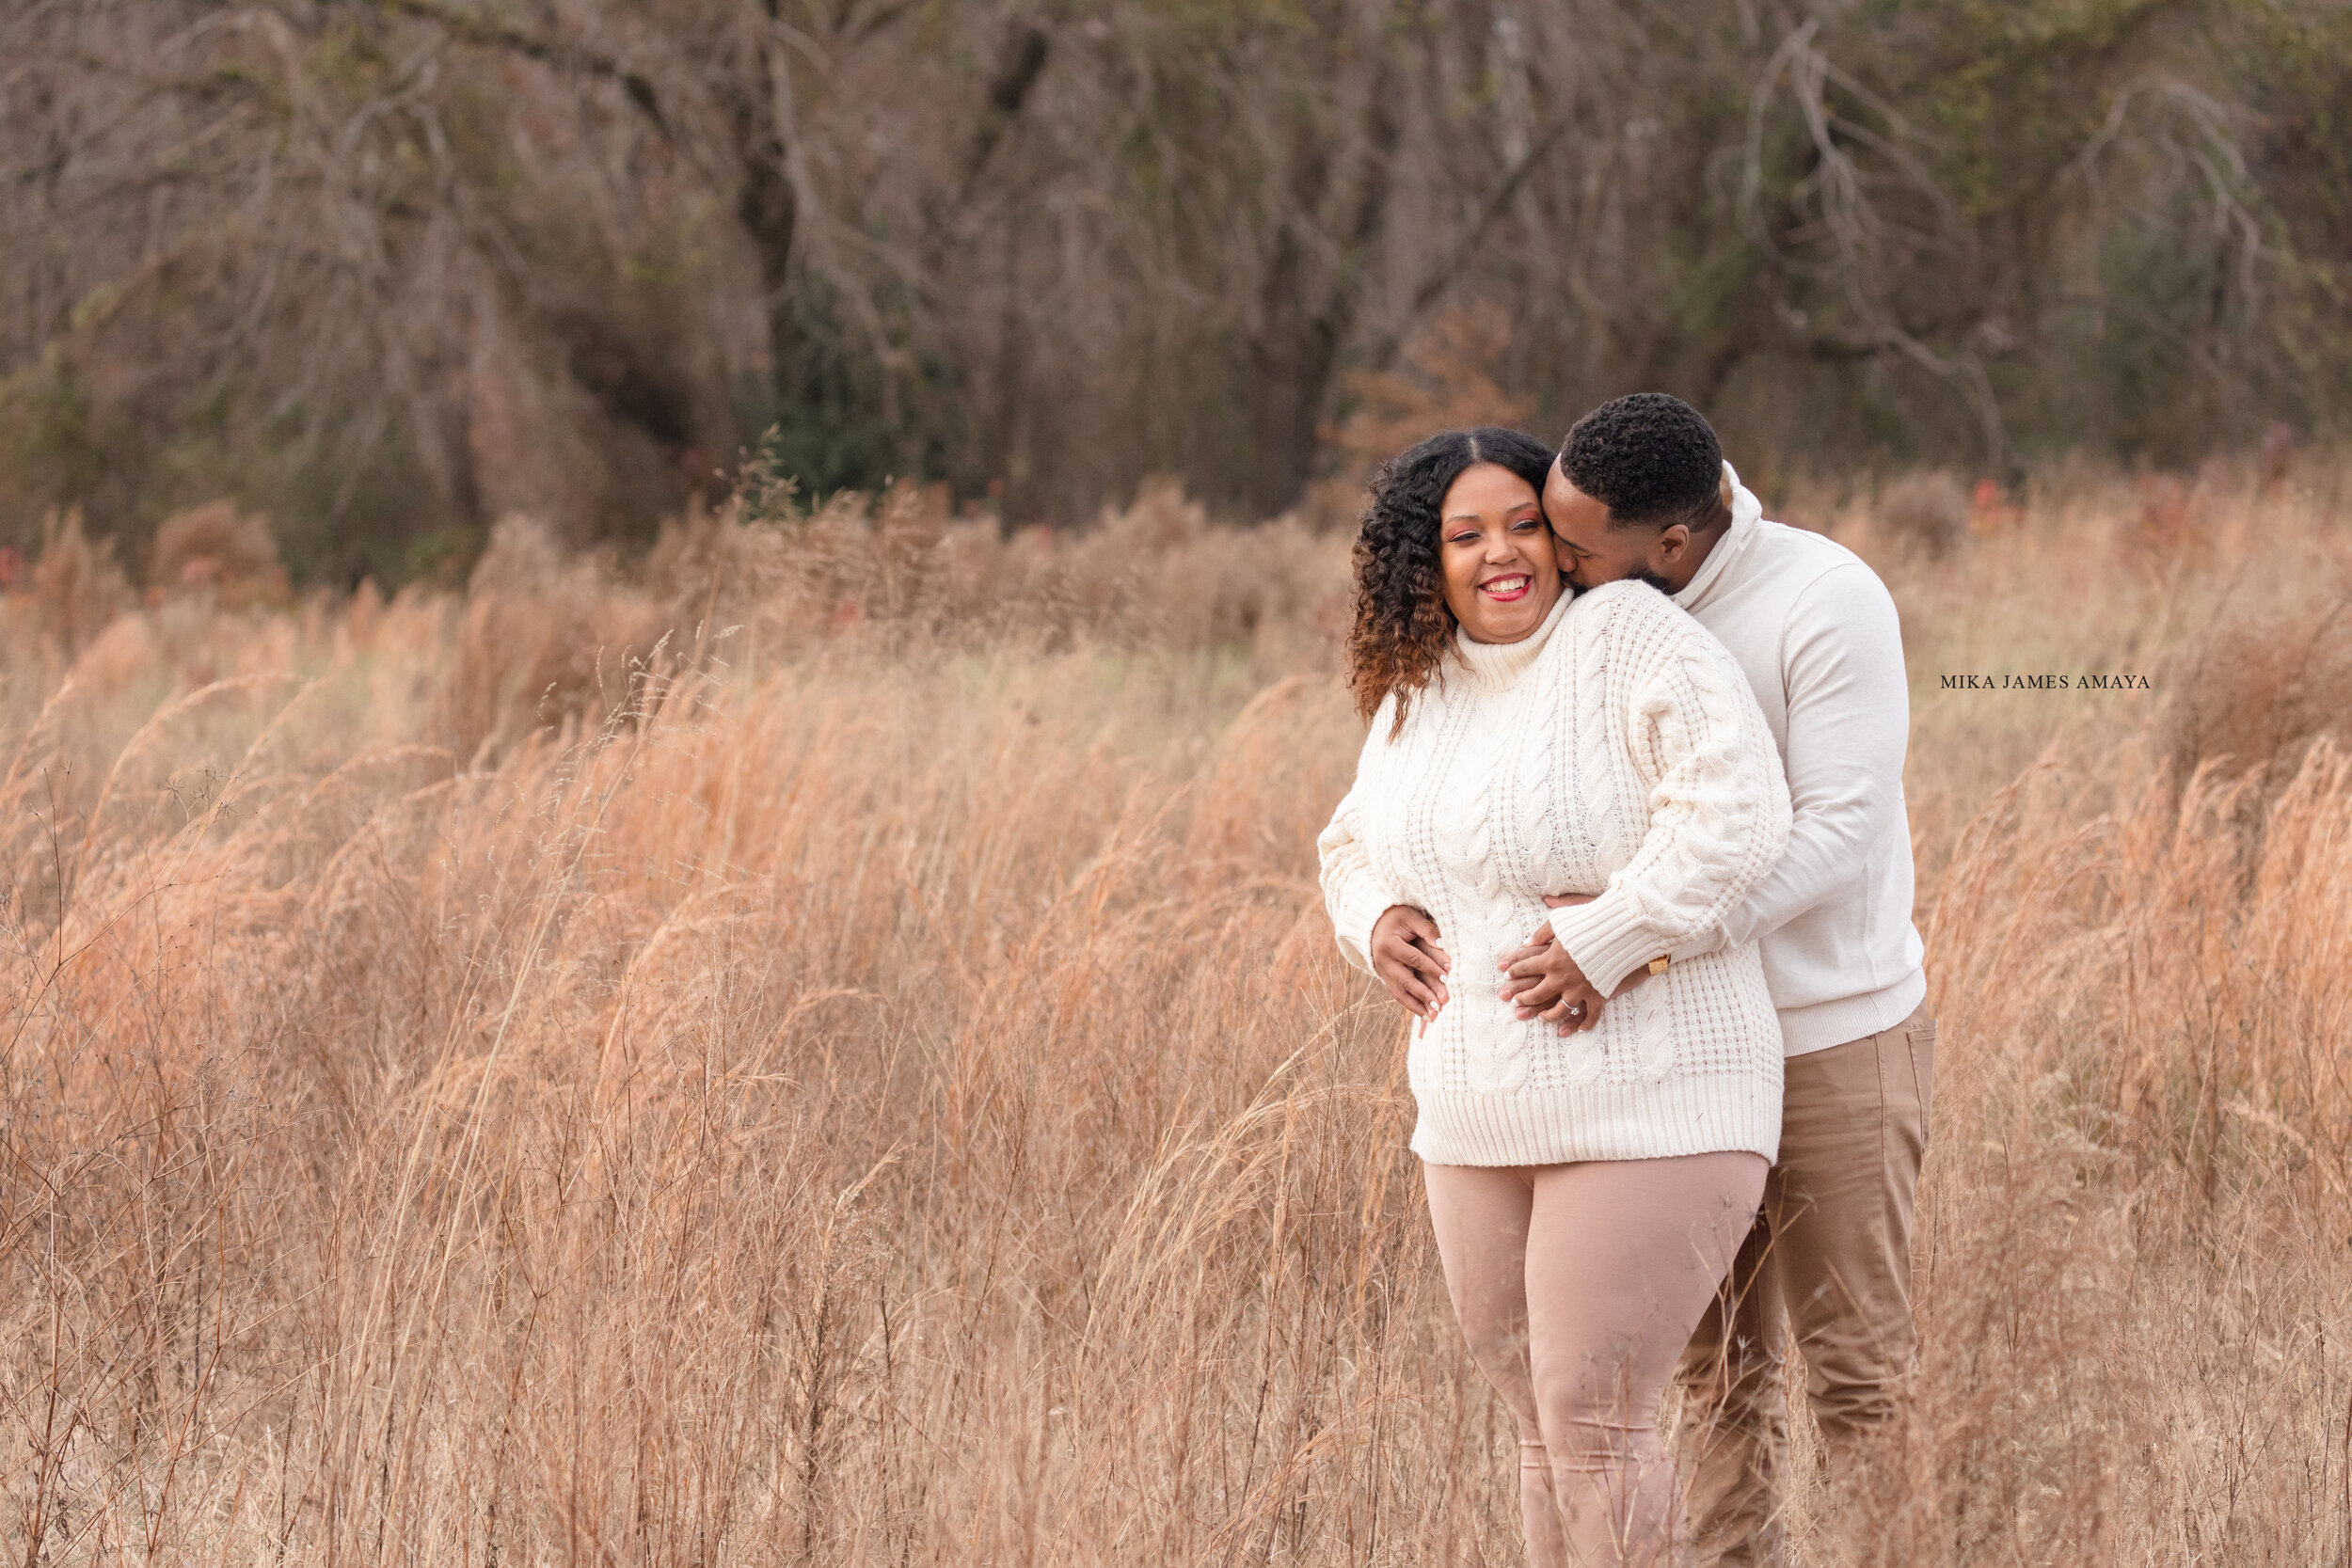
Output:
x=1576 y=1286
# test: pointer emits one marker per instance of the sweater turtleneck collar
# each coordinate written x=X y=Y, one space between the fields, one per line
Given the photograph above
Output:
x=1747 y=521
x=1497 y=666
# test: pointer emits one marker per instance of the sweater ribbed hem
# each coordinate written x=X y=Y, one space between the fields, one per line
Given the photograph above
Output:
x=1698 y=1114
x=1849 y=1018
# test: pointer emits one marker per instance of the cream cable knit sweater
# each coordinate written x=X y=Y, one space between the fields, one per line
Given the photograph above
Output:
x=1616 y=750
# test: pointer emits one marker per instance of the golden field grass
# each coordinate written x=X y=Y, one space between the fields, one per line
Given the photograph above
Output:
x=868 y=1080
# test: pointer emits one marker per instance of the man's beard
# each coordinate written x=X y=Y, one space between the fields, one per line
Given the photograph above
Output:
x=1643 y=574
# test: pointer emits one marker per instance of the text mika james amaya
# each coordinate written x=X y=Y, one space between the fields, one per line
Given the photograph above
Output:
x=2043 y=683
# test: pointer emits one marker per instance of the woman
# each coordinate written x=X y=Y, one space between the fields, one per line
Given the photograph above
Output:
x=1591 y=1164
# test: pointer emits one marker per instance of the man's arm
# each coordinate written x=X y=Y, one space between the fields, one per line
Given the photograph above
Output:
x=1849 y=724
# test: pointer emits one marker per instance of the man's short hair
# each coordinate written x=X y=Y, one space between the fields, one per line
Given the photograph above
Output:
x=1650 y=458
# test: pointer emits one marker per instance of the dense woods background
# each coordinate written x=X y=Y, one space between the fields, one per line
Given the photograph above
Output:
x=388 y=270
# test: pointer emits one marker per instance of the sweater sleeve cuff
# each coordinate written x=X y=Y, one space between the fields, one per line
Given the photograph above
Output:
x=1360 y=908
x=1606 y=938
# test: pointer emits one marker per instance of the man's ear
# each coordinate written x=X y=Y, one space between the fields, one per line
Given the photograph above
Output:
x=1671 y=543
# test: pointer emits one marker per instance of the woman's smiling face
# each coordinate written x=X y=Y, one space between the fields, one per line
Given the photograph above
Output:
x=1502 y=574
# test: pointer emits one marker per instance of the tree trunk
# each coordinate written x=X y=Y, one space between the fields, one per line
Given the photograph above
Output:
x=1306 y=312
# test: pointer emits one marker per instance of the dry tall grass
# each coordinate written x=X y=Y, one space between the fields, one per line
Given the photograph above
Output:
x=484 y=1083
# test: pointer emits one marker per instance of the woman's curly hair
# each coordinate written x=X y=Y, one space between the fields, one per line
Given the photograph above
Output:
x=1403 y=627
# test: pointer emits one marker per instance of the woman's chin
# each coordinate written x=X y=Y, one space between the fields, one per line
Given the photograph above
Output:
x=1491 y=632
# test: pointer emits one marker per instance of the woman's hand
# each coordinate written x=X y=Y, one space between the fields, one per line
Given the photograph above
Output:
x=1406 y=956
x=1547 y=984
x=1532 y=970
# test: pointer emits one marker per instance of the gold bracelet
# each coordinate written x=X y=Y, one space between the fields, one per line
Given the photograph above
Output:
x=1657 y=965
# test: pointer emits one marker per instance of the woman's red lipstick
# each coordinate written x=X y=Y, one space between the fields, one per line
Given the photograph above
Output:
x=1525 y=585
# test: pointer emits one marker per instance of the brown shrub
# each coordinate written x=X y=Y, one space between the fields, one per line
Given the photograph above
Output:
x=218 y=548
x=542 y=639
x=2255 y=694
x=786 y=576
x=1990 y=513
x=1160 y=572
x=78 y=588
x=1926 y=511
x=1447 y=380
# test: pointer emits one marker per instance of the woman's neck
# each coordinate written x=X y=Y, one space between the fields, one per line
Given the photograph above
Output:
x=1495 y=666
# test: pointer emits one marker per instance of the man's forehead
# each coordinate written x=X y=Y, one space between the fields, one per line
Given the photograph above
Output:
x=1561 y=490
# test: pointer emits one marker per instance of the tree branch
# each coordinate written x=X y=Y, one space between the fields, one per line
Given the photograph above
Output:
x=1383 y=349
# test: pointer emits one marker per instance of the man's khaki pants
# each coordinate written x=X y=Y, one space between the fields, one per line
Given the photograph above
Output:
x=1831 y=1246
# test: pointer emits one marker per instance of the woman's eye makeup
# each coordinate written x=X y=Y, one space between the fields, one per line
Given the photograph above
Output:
x=1470 y=535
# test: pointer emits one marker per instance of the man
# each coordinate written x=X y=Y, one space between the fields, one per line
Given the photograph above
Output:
x=1640 y=490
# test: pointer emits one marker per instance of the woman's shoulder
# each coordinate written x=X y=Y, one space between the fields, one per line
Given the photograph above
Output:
x=1638 y=623
x=1423 y=706
x=1630 y=609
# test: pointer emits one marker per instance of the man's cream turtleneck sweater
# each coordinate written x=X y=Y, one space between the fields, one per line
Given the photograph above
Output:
x=1815 y=632
x=1615 y=751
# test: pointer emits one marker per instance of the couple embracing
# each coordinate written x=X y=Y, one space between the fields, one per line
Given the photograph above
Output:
x=1627 y=841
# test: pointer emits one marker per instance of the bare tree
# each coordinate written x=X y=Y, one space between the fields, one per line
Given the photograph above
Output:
x=390 y=268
